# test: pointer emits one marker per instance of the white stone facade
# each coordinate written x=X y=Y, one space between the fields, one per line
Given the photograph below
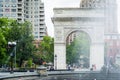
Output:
x=92 y=22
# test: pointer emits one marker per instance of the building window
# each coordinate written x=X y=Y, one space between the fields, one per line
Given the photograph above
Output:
x=13 y=0
x=36 y=36
x=13 y=15
x=13 y=5
x=7 y=5
x=41 y=11
x=35 y=29
x=1 y=10
x=36 y=8
x=41 y=7
x=19 y=10
x=41 y=37
x=1 y=15
x=36 y=16
x=36 y=32
x=26 y=4
x=19 y=5
x=1 y=0
x=41 y=15
x=1 y=5
x=7 y=10
x=7 y=0
x=26 y=7
x=19 y=19
x=36 y=12
x=36 y=20
x=41 y=28
x=82 y=5
x=114 y=37
x=7 y=15
x=41 y=33
x=27 y=16
x=36 y=25
x=41 y=20
x=41 y=24
x=19 y=0
x=36 y=3
x=13 y=10
x=26 y=12
x=19 y=14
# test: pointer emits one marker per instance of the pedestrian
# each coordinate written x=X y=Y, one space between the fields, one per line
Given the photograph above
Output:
x=68 y=67
x=51 y=68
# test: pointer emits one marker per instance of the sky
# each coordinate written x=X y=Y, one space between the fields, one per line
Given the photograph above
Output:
x=50 y=4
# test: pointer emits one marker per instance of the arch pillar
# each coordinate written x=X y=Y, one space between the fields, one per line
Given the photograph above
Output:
x=97 y=55
x=59 y=48
x=59 y=56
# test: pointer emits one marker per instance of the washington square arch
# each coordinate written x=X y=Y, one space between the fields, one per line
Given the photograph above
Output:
x=93 y=17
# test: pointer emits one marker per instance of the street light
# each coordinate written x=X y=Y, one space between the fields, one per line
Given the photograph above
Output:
x=13 y=53
x=55 y=61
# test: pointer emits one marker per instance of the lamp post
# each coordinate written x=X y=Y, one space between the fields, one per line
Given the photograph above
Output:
x=12 y=54
x=55 y=61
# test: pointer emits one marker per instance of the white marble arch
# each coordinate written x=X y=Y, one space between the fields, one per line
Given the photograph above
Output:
x=67 y=20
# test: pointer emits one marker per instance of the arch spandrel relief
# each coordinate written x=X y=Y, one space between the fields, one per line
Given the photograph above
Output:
x=58 y=34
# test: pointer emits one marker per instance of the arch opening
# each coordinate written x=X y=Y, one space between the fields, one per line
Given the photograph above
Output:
x=78 y=49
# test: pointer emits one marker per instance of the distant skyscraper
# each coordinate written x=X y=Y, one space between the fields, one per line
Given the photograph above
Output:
x=110 y=9
x=30 y=10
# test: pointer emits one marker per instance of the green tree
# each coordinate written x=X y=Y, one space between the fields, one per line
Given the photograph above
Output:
x=15 y=31
x=46 y=48
x=2 y=47
x=25 y=46
x=12 y=30
x=4 y=29
x=37 y=58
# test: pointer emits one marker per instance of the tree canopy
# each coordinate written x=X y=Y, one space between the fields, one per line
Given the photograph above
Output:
x=4 y=29
x=12 y=30
x=46 y=48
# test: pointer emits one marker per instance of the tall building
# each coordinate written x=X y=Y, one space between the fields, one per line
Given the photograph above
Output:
x=34 y=12
x=110 y=9
x=30 y=10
